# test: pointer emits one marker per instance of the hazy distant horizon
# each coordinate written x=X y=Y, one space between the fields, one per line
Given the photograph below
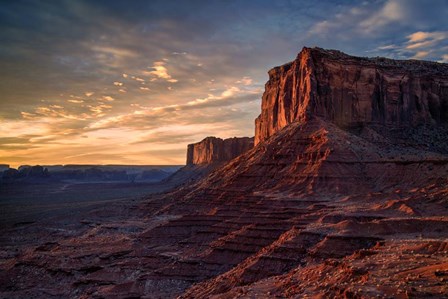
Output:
x=92 y=165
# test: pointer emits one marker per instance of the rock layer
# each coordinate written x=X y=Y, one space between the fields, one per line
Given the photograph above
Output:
x=352 y=91
x=213 y=149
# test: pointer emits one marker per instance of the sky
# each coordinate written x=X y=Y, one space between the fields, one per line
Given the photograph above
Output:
x=134 y=82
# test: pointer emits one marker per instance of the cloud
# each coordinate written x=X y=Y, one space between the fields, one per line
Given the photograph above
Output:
x=444 y=58
x=27 y=115
x=380 y=18
x=115 y=52
x=118 y=83
x=165 y=138
x=30 y=139
x=392 y=11
x=98 y=110
x=348 y=18
x=13 y=140
x=160 y=71
x=422 y=39
x=388 y=47
x=144 y=88
x=146 y=117
x=107 y=98
x=421 y=45
x=12 y=147
x=52 y=112
x=400 y=29
x=174 y=134
x=17 y=143
x=420 y=55
x=76 y=101
x=89 y=93
x=230 y=92
x=245 y=81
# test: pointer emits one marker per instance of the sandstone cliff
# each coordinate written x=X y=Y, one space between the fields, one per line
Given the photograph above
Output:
x=353 y=91
x=213 y=149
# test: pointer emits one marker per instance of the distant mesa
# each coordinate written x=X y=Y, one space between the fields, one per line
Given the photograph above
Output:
x=36 y=171
x=213 y=149
x=25 y=171
x=88 y=173
x=205 y=156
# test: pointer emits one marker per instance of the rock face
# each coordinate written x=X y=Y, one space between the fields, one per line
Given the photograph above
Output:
x=351 y=91
x=213 y=149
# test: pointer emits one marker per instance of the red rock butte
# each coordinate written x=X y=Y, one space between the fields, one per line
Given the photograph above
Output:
x=352 y=91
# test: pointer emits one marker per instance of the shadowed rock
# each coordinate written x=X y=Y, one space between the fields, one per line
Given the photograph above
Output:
x=213 y=149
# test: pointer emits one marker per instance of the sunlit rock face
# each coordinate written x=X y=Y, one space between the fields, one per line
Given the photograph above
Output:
x=353 y=91
x=213 y=149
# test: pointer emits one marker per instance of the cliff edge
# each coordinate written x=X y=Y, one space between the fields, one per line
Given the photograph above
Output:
x=213 y=149
x=353 y=91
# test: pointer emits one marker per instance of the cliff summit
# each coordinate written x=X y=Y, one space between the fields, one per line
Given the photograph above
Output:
x=213 y=149
x=352 y=91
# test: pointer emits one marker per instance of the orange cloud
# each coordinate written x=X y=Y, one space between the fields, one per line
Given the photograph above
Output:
x=160 y=71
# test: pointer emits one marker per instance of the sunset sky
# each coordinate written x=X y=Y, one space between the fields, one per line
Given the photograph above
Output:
x=133 y=82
